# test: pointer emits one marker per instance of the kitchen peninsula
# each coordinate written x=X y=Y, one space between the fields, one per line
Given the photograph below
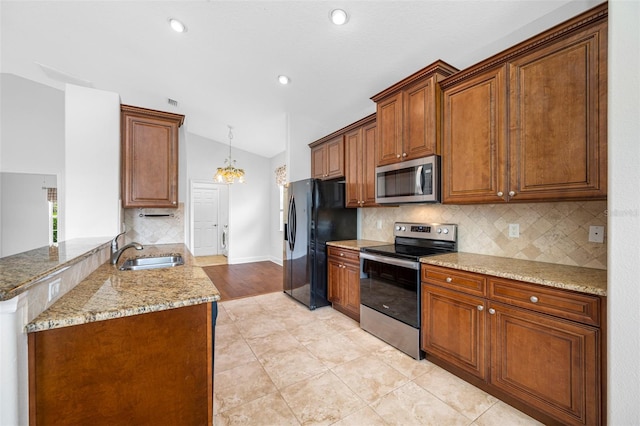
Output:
x=121 y=344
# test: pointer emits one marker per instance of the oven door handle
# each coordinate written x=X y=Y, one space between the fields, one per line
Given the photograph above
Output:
x=391 y=261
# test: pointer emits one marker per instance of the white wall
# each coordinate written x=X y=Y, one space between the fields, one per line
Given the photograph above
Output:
x=249 y=203
x=25 y=223
x=32 y=131
x=624 y=214
x=276 y=235
x=92 y=158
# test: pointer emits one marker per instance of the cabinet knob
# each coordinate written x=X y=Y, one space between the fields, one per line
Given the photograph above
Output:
x=398 y=156
x=449 y=279
x=404 y=154
x=492 y=311
x=533 y=299
x=480 y=308
x=512 y=193
x=500 y=194
x=173 y=202
x=341 y=254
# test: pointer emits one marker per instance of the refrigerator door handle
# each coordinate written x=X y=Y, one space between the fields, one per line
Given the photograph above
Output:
x=292 y=223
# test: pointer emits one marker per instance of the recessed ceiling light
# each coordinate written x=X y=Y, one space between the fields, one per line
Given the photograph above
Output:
x=339 y=16
x=283 y=79
x=177 y=26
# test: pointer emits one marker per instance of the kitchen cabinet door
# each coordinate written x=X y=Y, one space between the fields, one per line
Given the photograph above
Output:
x=474 y=150
x=360 y=168
x=327 y=159
x=389 y=124
x=353 y=169
x=149 y=157
x=368 y=182
x=558 y=119
x=549 y=363
x=334 y=281
x=453 y=328
x=421 y=120
x=351 y=281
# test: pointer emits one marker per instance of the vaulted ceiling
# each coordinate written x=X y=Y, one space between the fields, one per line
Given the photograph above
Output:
x=223 y=70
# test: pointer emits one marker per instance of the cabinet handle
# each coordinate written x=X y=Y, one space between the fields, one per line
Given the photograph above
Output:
x=480 y=308
x=492 y=311
x=512 y=193
x=500 y=194
x=533 y=299
x=449 y=279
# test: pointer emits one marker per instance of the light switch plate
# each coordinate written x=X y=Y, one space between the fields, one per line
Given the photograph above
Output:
x=596 y=234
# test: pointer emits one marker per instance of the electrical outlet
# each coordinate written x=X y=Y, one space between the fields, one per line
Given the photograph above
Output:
x=54 y=289
x=514 y=230
x=596 y=234
x=379 y=224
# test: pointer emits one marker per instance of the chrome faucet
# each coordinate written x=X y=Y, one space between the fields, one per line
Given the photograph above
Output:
x=116 y=252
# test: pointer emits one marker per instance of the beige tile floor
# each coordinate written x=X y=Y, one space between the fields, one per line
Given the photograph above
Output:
x=278 y=363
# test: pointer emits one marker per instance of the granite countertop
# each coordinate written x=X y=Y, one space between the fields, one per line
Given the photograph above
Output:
x=110 y=293
x=584 y=280
x=19 y=272
x=356 y=244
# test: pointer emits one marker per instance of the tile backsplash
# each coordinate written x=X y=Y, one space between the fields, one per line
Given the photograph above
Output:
x=549 y=232
x=155 y=230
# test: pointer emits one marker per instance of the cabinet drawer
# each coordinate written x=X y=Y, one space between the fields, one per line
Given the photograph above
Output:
x=579 y=307
x=466 y=282
x=345 y=255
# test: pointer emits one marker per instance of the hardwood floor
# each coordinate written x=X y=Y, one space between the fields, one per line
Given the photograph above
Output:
x=246 y=279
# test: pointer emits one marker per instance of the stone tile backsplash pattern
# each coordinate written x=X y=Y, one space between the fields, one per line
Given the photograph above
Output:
x=549 y=232
x=155 y=230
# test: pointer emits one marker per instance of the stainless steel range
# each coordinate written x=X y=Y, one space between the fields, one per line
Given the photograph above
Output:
x=390 y=282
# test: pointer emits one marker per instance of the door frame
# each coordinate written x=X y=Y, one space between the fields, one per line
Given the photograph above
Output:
x=201 y=184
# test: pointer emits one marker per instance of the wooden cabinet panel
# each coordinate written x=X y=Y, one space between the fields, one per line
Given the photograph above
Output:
x=353 y=172
x=469 y=283
x=474 y=140
x=327 y=159
x=154 y=368
x=408 y=115
x=318 y=155
x=550 y=363
x=558 y=119
x=389 y=124
x=360 y=152
x=149 y=157
x=369 y=162
x=530 y=124
x=421 y=114
x=453 y=328
x=344 y=280
x=579 y=307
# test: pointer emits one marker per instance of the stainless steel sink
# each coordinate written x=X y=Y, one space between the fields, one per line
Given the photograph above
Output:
x=152 y=262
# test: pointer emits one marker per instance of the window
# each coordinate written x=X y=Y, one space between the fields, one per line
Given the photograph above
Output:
x=281 y=188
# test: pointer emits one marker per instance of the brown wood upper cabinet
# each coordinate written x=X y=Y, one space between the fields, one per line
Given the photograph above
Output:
x=149 y=157
x=327 y=159
x=360 y=149
x=408 y=115
x=530 y=124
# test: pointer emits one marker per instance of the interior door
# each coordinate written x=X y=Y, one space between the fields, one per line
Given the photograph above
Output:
x=205 y=221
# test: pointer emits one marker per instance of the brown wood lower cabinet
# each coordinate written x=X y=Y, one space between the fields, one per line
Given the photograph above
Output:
x=538 y=348
x=154 y=368
x=343 y=281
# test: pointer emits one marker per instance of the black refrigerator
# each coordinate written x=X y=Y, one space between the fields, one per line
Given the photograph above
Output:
x=314 y=213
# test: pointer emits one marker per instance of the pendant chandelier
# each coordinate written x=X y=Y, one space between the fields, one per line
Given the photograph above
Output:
x=229 y=173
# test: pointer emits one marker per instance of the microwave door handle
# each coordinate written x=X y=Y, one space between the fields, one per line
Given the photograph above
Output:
x=419 y=181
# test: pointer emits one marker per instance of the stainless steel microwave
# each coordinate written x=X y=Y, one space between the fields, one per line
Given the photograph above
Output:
x=413 y=181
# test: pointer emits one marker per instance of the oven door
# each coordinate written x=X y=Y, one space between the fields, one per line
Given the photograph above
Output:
x=391 y=286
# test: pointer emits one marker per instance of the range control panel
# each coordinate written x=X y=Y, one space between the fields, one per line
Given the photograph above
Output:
x=430 y=231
